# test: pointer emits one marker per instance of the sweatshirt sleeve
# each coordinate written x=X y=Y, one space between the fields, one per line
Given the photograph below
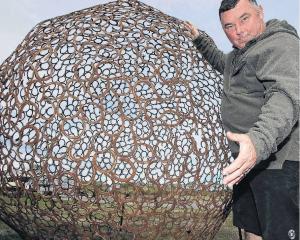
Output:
x=278 y=70
x=210 y=51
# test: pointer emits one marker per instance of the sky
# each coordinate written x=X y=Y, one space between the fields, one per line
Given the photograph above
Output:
x=18 y=17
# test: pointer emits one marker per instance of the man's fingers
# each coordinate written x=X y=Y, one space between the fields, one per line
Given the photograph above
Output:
x=245 y=159
x=237 y=175
x=235 y=137
x=232 y=176
x=233 y=179
x=193 y=31
x=188 y=25
x=240 y=163
x=244 y=162
x=234 y=166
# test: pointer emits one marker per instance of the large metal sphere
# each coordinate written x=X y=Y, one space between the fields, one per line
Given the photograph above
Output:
x=110 y=129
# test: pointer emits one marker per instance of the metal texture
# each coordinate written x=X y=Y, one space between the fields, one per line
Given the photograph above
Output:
x=110 y=129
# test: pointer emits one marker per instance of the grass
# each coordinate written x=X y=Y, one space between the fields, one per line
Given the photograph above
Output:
x=6 y=233
x=227 y=232
x=55 y=206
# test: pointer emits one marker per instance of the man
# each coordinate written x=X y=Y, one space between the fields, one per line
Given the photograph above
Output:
x=260 y=110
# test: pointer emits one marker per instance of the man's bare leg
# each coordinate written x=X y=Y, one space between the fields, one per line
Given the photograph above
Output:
x=252 y=236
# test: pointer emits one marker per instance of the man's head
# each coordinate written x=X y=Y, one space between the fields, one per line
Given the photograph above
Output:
x=242 y=20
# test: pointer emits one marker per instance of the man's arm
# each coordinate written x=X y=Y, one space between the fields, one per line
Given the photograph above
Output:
x=207 y=47
x=278 y=70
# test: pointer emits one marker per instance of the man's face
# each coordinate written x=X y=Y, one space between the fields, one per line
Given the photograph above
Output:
x=243 y=23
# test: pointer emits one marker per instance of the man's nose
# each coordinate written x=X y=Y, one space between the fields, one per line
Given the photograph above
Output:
x=238 y=29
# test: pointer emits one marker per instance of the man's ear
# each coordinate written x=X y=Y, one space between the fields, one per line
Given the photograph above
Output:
x=261 y=12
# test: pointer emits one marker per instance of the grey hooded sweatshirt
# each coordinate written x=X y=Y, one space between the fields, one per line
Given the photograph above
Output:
x=261 y=91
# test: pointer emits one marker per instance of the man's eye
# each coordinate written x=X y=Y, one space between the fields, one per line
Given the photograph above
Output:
x=245 y=18
x=228 y=27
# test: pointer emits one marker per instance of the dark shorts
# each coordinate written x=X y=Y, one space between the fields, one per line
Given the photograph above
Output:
x=266 y=203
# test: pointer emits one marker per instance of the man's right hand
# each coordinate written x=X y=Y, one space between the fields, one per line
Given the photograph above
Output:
x=194 y=33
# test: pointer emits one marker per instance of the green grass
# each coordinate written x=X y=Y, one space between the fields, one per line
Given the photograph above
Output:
x=55 y=206
x=6 y=233
x=227 y=232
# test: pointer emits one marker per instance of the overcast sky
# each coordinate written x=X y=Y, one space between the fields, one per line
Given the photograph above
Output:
x=17 y=17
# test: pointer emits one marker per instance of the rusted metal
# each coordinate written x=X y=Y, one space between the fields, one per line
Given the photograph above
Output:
x=110 y=129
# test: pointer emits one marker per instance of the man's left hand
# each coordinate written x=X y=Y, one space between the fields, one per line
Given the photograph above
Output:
x=244 y=162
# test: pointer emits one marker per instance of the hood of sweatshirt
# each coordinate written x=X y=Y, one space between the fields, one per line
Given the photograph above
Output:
x=275 y=26
x=272 y=26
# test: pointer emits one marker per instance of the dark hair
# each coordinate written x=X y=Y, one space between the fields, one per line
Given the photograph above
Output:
x=230 y=4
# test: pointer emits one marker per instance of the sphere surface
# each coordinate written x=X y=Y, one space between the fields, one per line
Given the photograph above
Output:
x=110 y=129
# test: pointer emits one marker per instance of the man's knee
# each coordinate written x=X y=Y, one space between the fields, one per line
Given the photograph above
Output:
x=252 y=236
